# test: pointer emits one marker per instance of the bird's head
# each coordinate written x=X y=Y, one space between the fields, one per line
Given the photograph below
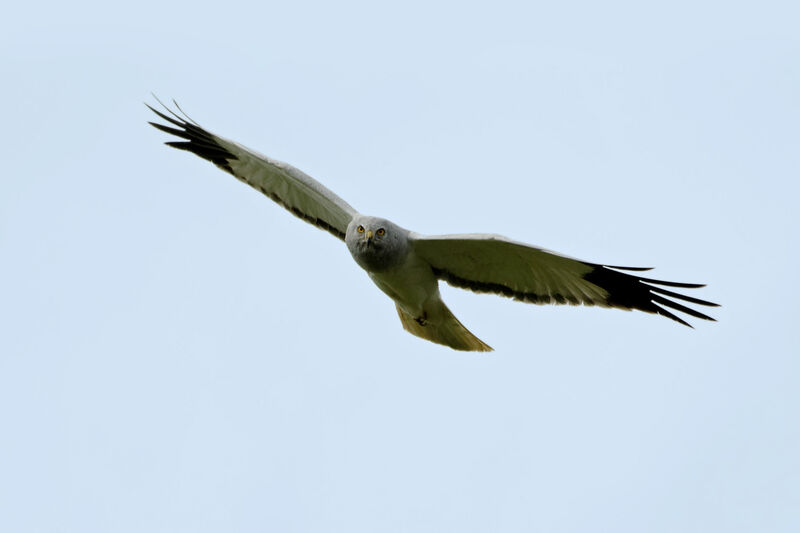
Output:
x=376 y=243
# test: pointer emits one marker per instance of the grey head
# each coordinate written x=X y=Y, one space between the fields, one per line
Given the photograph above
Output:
x=376 y=243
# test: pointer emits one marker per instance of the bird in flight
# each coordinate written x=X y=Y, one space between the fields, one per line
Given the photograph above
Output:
x=407 y=266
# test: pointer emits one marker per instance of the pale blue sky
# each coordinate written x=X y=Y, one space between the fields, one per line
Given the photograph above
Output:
x=178 y=353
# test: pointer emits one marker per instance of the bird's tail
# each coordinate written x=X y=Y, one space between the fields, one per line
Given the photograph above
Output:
x=442 y=327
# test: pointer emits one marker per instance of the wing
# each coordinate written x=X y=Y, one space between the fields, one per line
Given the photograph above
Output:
x=495 y=264
x=293 y=189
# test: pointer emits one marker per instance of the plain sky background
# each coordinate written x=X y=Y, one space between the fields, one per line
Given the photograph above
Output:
x=180 y=354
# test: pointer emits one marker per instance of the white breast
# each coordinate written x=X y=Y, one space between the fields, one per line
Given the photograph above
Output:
x=411 y=285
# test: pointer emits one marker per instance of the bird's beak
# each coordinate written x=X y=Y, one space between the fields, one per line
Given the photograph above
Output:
x=368 y=237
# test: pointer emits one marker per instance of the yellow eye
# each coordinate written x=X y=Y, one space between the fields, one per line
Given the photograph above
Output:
x=360 y=229
x=381 y=232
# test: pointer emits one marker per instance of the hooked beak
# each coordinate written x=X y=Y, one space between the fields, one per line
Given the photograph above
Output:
x=368 y=237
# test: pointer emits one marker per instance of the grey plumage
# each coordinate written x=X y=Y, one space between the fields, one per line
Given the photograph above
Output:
x=407 y=266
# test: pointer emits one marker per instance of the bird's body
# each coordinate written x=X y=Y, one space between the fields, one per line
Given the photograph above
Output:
x=386 y=252
x=411 y=284
x=407 y=266
x=382 y=249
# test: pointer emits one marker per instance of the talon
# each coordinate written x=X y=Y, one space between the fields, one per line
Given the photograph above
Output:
x=421 y=320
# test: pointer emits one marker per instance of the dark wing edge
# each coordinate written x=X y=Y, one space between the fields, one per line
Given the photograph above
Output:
x=626 y=291
x=198 y=141
x=203 y=144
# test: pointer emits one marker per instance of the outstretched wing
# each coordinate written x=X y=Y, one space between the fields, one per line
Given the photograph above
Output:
x=495 y=264
x=290 y=187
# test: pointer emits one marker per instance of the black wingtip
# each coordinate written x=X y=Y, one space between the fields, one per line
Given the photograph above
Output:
x=678 y=307
x=663 y=312
x=680 y=296
x=629 y=291
x=185 y=114
x=632 y=269
x=198 y=141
